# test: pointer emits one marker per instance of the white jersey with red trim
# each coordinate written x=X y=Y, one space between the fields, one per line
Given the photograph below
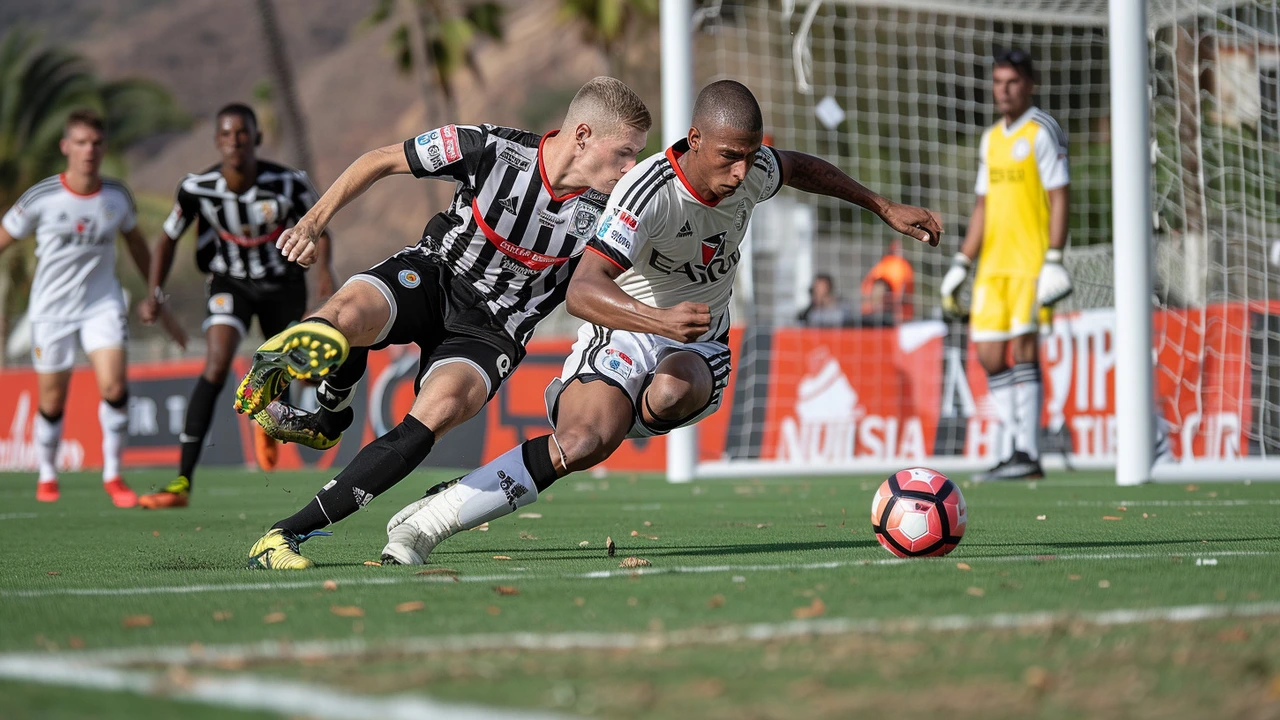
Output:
x=672 y=245
x=75 y=245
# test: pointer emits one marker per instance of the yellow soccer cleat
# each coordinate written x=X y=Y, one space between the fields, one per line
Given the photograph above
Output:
x=278 y=550
x=291 y=425
x=306 y=350
x=177 y=494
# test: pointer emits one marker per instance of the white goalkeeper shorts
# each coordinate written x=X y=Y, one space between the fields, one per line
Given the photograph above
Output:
x=53 y=342
x=627 y=361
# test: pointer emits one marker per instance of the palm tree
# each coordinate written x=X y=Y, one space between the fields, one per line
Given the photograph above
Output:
x=608 y=23
x=39 y=87
x=282 y=80
x=435 y=40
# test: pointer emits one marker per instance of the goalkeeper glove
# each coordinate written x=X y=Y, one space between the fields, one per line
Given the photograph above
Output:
x=1054 y=284
x=951 y=283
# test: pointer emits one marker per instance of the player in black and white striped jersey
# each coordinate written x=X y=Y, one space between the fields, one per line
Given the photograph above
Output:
x=469 y=294
x=240 y=207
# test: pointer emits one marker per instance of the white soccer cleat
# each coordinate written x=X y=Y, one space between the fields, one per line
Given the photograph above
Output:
x=422 y=525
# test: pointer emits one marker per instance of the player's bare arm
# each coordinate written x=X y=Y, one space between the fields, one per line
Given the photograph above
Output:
x=5 y=239
x=595 y=297
x=299 y=243
x=1059 y=217
x=158 y=272
x=814 y=175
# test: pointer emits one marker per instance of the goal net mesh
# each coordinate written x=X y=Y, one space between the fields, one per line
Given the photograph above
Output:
x=897 y=94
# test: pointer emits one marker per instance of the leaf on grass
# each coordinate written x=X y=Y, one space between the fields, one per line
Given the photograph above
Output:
x=137 y=621
x=155 y=533
x=373 y=563
x=821 y=525
x=411 y=606
x=220 y=615
x=635 y=533
x=1041 y=517
x=531 y=516
x=1233 y=635
x=53 y=572
x=649 y=537
x=1192 y=488
x=817 y=608
x=648 y=524
x=1073 y=577
x=579 y=601
x=761 y=526
x=347 y=610
x=634 y=562
x=1111 y=517
x=1104 y=584
x=272 y=618
x=975 y=591
x=501 y=557
x=716 y=601
x=506 y=589
x=330 y=585
x=438 y=571
x=494 y=610
x=963 y=566
x=1122 y=509
x=526 y=536
x=609 y=547
x=482 y=527
x=584 y=543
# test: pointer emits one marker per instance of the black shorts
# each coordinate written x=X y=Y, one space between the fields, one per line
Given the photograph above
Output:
x=443 y=315
x=277 y=303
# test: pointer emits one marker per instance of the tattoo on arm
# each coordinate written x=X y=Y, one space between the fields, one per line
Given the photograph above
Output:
x=815 y=175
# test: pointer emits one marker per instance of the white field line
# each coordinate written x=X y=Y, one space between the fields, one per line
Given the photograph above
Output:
x=1167 y=503
x=612 y=573
x=319 y=650
x=18 y=516
x=244 y=692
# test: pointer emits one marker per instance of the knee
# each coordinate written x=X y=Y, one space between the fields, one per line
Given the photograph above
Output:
x=584 y=446
x=115 y=393
x=671 y=399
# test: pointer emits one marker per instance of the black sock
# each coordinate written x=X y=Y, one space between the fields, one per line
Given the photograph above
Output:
x=199 y=415
x=537 y=460
x=374 y=470
x=337 y=388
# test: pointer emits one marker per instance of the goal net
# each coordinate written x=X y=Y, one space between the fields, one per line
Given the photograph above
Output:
x=897 y=94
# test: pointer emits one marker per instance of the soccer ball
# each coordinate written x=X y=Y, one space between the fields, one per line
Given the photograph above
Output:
x=918 y=512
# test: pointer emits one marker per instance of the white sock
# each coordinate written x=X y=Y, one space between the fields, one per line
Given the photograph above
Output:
x=115 y=424
x=335 y=399
x=1029 y=395
x=47 y=436
x=1001 y=387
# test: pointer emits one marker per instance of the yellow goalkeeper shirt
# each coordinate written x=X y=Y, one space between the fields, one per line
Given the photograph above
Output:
x=1018 y=165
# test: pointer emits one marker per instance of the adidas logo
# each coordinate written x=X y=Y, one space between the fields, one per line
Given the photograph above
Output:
x=513 y=490
x=63 y=217
x=362 y=497
x=509 y=204
x=685 y=230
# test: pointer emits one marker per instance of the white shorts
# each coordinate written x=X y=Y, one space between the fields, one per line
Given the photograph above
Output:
x=627 y=361
x=53 y=342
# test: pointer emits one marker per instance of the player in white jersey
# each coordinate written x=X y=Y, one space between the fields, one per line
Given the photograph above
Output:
x=653 y=355
x=76 y=297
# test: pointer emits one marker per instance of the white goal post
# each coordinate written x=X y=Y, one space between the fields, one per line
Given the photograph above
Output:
x=1165 y=363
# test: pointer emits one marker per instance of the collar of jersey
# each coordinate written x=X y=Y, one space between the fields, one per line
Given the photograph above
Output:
x=542 y=170
x=673 y=155
x=62 y=178
x=1017 y=124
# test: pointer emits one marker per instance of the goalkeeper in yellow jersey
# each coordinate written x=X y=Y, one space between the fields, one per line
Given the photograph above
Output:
x=1017 y=234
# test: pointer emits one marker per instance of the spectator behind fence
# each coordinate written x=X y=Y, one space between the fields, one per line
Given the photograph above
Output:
x=886 y=290
x=825 y=309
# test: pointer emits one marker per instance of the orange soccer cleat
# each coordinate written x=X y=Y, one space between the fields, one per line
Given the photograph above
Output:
x=47 y=491
x=122 y=496
x=176 y=494
x=265 y=448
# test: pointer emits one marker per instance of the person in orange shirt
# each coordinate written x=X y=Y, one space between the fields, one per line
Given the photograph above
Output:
x=886 y=290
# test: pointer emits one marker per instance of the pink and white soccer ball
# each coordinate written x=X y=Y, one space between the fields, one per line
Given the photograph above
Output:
x=918 y=512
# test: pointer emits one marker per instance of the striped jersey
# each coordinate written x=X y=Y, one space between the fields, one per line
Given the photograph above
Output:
x=1018 y=165
x=236 y=233
x=672 y=245
x=506 y=233
x=75 y=245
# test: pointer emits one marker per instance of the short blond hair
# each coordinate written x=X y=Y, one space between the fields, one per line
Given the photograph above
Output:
x=607 y=105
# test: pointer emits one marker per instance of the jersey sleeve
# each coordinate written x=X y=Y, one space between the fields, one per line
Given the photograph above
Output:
x=627 y=224
x=768 y=166
x=450 y=152
x=1051 y=156
x=22 y=218
x=184 y=212
x=980 y=185
x=130 y=220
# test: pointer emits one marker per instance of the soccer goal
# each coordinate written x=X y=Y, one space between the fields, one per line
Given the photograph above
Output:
x=1165 y=363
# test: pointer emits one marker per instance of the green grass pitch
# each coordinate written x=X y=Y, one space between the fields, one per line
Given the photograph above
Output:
x=1070 y=597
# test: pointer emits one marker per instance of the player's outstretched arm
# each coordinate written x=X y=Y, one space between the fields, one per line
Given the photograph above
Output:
x=161 y=263
x=6 y=239
x=299 y=243
x=813 y=174
x=595 y=297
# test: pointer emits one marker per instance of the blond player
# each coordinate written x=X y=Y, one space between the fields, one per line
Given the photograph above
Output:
x=1017 y=233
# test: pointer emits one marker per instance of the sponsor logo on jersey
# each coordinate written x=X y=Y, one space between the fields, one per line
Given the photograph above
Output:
x=549 y=219
x=685 y=231
x=716 y=262
x=512 y=157
x=362 y=497
x=441 y=147
x=452 y=150
x=409 y=279
x=511 y=264
x=603 y=232
x=711 y=247
x=620 y=239
x=740 y=215
x=428 y=136
x=509 y=204
x=512 y=489
x=629 y=220
x=618 y=362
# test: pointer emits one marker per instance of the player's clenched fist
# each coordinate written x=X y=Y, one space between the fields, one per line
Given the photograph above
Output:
x=687 y=321
x=921 y=224
x=298 y=244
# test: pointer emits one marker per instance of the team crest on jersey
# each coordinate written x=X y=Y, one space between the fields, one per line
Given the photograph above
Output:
x=264 y=212
x=711 y=248
x=740 y=215
x=1021 y=149
x=409 y=279
x=584 y=219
